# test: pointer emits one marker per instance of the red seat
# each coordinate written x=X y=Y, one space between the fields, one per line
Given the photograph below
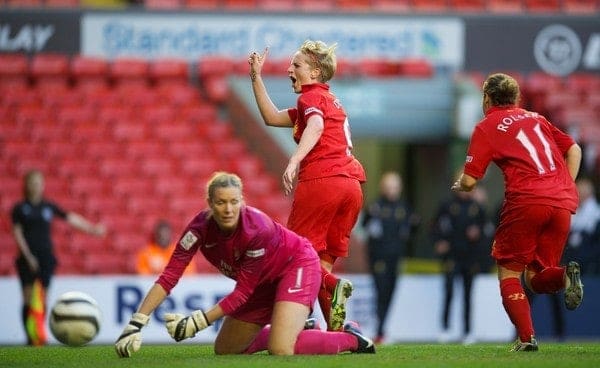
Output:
x=170 y=186
x=199 y=167
x=345 y=69
x=169 y=71
x=316 y=5
x=277 y=5
x=386 y=6
x=62 y=3
x=113 y=115
x=214 y=66
x=216 y=88
x=85 y=186
x=276 y=67
x=126 y=186
x=173 y=132
x=543 y=6
x=581 y=82
x=117 y=167
x=102 y=263
x=412 y=67
x=129 y=71
x=157 y=167
x=162 y=4
x=202 y=4
x=50 y=70
x=468 y=5
x=505 y=6
x=25 y=3
x=368 y=67
x=216 y=131
x=430 y=6
x=353 y=5
x=89 y=72
x=203 y=114
x=179 y=96
x=129 y=130
x=159 y=114
x=581 y=6
x=76 y=115
x=14 y=69
x=239 y=4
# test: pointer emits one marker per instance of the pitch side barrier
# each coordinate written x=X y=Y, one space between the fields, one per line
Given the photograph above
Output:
x=414 y=316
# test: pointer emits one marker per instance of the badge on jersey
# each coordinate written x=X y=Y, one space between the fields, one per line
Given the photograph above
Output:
x=188 y=240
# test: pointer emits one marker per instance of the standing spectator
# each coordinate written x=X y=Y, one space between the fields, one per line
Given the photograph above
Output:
x=153 y=259
x=328 y=196
x=459 y=231
x=388 y=222
x=36 y=262
x=277 y=278
x=540 y=164
x=584 y=239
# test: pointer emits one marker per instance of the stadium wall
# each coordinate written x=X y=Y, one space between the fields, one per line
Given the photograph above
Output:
x=415 y=314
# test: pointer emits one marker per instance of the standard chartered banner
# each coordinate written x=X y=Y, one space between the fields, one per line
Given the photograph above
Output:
x=415 y=313
x=192 y=36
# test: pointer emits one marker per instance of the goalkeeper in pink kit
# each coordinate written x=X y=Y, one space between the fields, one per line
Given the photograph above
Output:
x=540 y=164
x=328 y=196
x=277 y=276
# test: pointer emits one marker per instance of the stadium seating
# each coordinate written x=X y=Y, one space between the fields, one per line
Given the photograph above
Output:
x=581 y=6
x=89 y=72
x=50 y=71
x=166 y=72
x=14 y=70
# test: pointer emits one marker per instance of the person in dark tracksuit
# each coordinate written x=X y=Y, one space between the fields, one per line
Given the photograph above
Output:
x=32 y=218
x=458 y=233
x=388 y=222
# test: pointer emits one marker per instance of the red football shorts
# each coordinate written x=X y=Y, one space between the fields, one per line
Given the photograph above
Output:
x=532 y=236
x=299 y=284
x=325 y=211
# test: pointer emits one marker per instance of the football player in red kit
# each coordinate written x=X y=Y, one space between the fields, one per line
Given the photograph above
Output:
x=328 y=196
x=540 y=164
x=277 y=274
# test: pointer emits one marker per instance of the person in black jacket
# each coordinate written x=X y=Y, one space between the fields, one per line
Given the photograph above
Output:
x=458 y=233
x=32 y=218
x=388 y=222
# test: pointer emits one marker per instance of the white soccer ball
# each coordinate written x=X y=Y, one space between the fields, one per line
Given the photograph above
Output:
x=75 y=318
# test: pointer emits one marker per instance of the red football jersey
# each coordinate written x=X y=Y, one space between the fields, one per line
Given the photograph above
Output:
x=530 y=152
x=255 y=255
x=332 y=155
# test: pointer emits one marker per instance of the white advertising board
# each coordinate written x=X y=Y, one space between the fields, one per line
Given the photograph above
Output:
x=192 y=36
x=415 y=313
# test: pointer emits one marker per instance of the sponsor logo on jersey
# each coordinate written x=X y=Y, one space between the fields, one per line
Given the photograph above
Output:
x=254 y=253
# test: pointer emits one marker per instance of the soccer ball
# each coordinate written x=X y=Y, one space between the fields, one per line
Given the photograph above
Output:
x=75 y=318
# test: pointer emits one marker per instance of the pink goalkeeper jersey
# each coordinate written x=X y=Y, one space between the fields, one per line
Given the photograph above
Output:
x=258 y=252
x=530 y=152
x=332 y=155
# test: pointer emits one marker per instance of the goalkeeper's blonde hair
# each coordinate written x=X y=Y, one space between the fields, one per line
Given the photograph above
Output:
x=222 y=179
x=321 y=57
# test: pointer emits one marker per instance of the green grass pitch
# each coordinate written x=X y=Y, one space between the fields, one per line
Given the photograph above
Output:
x=564 y=355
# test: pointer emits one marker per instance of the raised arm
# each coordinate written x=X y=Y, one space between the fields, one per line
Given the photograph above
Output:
x=82 y=224
x=271 y=115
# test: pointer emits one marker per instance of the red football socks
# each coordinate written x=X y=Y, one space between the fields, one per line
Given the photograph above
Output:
x=517 y=307
x=549 y=280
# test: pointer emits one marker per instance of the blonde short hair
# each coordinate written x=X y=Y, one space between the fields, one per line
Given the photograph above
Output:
x=321 y=56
